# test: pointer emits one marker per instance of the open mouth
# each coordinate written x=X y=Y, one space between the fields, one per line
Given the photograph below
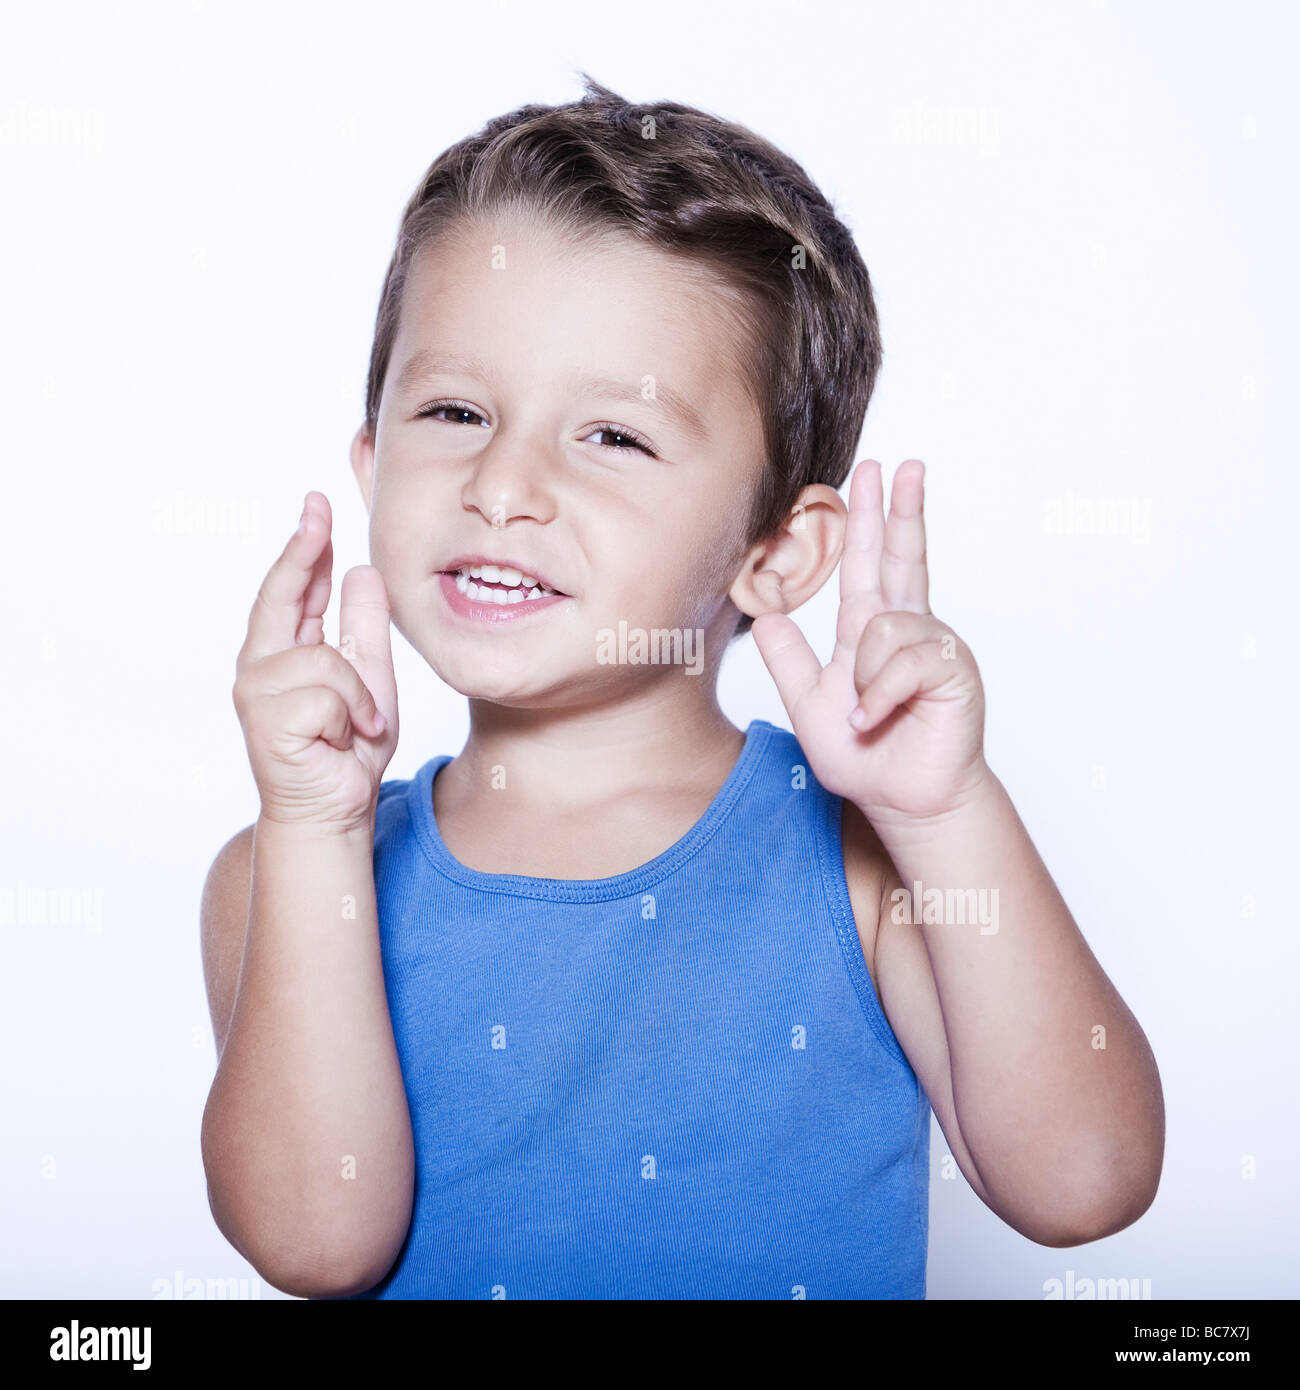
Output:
x=497 y=584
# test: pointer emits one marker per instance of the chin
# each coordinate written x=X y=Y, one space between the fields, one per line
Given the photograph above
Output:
x=502 y=682
x=551 y=682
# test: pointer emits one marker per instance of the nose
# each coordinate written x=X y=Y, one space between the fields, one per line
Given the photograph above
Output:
x=508 y=483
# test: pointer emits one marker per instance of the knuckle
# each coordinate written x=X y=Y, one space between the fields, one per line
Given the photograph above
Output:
x=325 y=704
x=326 y=663
x=244 y=695
x=347 y=674
x=329 y=698
x=886 y=625
x=890 y=552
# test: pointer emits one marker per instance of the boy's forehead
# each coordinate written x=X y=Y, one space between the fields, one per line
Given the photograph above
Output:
x=503 y=302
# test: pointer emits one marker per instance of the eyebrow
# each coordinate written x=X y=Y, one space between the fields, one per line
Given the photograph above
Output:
x=671 y=404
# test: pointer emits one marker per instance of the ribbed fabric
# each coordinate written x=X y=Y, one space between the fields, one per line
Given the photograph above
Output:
x=673 y=1083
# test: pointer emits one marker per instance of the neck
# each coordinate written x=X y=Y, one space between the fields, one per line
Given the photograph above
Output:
x=653 y=739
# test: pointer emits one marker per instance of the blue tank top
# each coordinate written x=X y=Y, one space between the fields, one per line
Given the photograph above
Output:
x=673 y=1083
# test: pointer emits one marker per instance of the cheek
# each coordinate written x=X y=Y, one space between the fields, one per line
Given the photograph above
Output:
x=404 y=556
x=678 y=570
x=709 y=543
x=385 y=557
x=399 y=544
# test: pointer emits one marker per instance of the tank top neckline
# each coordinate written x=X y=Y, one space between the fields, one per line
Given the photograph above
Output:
x=576 y=890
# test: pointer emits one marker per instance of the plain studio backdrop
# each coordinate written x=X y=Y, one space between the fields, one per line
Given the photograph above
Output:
x=1080 y=219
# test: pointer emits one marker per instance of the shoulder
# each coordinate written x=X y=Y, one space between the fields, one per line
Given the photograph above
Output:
x=223 y=919
x=227 y=882
x=894 y=950
x=867 y=871
x=898 y=962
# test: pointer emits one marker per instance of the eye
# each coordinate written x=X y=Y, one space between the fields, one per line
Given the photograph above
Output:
x=430 y=412
x=628 y=439
x=631 y=438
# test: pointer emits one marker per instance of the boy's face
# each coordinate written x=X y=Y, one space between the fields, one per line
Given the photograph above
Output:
x=535 y=465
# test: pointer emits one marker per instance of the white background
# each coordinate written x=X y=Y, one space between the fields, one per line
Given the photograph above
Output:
x=1080 y=218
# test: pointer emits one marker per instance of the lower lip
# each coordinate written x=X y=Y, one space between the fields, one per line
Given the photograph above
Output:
x=479 y=612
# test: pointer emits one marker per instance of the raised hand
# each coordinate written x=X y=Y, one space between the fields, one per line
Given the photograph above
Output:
x=895 y=721
x=320 y=722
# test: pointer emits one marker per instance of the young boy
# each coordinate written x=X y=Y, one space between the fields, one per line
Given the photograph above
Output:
x=622 y=1001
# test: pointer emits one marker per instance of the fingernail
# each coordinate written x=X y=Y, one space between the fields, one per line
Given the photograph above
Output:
x=380 y=722
x=858 y=718
x=302 y=523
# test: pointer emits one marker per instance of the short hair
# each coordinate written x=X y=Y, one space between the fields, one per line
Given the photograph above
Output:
x=694 y=185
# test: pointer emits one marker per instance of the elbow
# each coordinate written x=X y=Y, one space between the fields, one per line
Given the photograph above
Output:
x=302 y=1267
x=296 y=1254
x=1084 y=1228
x=325 y=1270
x=1101 y=1203
x=305 y=1277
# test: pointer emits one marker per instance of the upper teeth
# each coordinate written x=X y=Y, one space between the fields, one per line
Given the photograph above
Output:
x=519 y=586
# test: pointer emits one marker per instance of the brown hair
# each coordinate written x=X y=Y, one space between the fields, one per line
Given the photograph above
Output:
x=697 y=186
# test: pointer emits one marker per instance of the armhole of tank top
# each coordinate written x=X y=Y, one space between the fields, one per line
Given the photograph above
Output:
x=391 y=801
x=397 y=790
x=830 y=849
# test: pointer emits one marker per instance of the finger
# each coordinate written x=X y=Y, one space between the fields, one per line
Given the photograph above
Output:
x=909 y=672
x=885 y=634
x=791 y=661
x=904 y=578
x=860 y=596
x=315 y=664
x=306 y=713
x=278 y=608
x=860 y=563
x=365 y=635
x=316 y=600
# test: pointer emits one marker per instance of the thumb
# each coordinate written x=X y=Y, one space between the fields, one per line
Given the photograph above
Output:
x=791 y=661
x=365 y=637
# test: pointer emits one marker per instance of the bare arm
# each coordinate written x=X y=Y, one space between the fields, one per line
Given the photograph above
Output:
x=1044 y=1083
x=1052 y=1090
x=306 y=1135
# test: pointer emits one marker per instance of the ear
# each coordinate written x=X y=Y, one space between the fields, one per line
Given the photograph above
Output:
x=787 y=568
x=362 y=454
